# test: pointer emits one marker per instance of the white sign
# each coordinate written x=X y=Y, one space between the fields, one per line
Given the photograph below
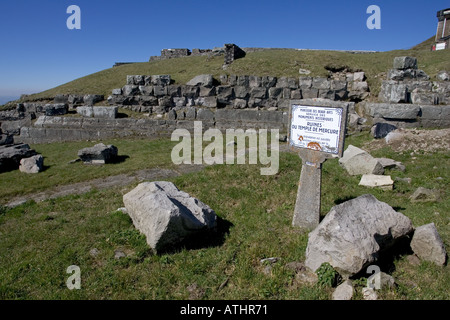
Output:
x=316 y=128
x=440 y=46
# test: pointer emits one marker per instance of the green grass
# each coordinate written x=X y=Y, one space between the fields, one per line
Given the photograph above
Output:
x=137 y=154
x=38 y=241
x=264 y=63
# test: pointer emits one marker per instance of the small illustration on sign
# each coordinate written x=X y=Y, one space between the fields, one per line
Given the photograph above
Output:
x=314 y=146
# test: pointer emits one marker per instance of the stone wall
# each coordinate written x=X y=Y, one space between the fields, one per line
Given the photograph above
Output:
x=410 y=99
x=157 y=95
x=407 y=84
x=48 y=129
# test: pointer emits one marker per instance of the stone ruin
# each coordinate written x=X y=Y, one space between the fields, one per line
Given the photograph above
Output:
x=230 y=52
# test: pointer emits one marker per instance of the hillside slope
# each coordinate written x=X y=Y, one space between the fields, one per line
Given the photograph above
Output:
x=282 y=62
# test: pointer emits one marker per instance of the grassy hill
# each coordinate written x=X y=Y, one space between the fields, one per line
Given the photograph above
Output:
x=282 y=62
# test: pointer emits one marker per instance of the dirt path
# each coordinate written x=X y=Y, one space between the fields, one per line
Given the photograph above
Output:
x=103 y=183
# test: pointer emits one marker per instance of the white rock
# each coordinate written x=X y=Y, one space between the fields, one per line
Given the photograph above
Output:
x=353 y=235
x=166 y=215
x=369 y=294
x=344 y=291
x=377 y=181
x=427 y=244
x=33 y=164
x=357 y=161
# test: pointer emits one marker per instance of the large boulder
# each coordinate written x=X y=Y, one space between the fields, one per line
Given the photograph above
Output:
x=10 y=156
x=359 y=162
x=354 y=234
x=98 y=154
x=427 y=244
x=34 y=164
x=166 y=215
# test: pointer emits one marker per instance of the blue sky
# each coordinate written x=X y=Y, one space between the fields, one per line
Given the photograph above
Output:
x=39 y=52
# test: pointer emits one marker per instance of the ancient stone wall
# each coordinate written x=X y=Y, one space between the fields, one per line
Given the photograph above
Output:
x=158 y=95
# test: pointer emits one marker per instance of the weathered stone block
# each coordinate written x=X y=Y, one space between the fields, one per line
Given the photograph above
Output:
x=207 y=92
x=159 y=91
x=34 y=164
x=321 y=84
x=310 y=93
x=146 y=90
x=428 y=245
x=205 y=114
x=402 y=63
x=190 y=91
x=269 y=82
x=358 y=162
x=210 y=102
x=354 y=234
x=56 y=109
x=242 y=92
x=98 y=154
x=204 y=80
x=130 y=90
x=240 y=104
x=258 y=93
x=166 y=215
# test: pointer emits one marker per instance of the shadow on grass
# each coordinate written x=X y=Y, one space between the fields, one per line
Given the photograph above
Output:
x=207 y=239
x=119 y=159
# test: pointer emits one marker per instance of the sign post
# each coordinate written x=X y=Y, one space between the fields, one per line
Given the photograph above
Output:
x=316 y=133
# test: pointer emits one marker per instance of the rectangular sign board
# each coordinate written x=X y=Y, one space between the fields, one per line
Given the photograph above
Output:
x=317 y=128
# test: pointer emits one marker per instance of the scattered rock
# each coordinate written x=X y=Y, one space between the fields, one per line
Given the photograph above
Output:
x=94 y=252
x=377 y=181
x=443 y=76
x=369 y=294
x=424 y=195
x=166 y=215
x=123 y=210
x=10 y=156
x=357 y=162
x=427 y=244
x=391 y=164
x=381 y=280
x=119 y=254
x=381 y=130
x=269 y=260
x=353 y=235
x=98 y=154
x=34 y=164
x=407 y=180
x=304 y=71
x=306 y=276
x=344 y=291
